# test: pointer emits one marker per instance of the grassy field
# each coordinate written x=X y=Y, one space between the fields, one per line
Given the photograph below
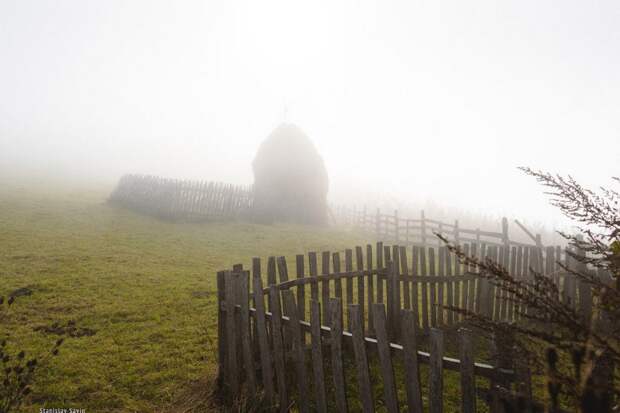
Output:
x=139 y=292
x=134 y=298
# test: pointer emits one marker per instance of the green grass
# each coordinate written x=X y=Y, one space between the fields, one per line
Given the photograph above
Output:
x=146 y=287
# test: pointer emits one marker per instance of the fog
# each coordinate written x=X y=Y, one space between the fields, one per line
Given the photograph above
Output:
x=413 y=102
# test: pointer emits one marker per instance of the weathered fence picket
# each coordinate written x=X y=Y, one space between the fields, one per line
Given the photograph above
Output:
x=317 y=356
x=301 y=289
x=413 y=385
x=278 y=346
x=348 y=267
x=433 y=287
x=262 y=338
x=385 y=358
x=325 y=284
x=263 y=344
x=468 y=380
x=246 y=344
x=298 y=350
x=436 y=372
x=335 y=307
x=231 y=337
x=361 y=360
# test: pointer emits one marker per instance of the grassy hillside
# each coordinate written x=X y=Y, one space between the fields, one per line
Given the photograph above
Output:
x=138 y=293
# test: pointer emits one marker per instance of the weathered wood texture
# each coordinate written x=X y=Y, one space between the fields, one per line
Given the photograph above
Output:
x=267 y=342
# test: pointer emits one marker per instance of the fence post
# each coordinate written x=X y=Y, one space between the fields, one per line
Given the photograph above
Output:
x=453 y=290
x=436 y=372
x=325 y=257
x=301 y=289
x=483 y=290
x=468 y=380
x=410 y=353
x=364 y=219
x=393 y=300
x=505 y=239
x=246 y=341
x=425 y=288
x=397 y=302
x=271 y=272
x=338 y=280
x=385 y=358
x=278 y=346
x=348 y=267
x=441 y=271
x=432 y=287
x=378 y=225
x=407 y=231
x=298 y=349
x=361 y=360
x=513 y=272
x=261 y=335
x=379 y=272
x=221 y=329
x=371 y=287
x=404 y=266
x=423 y=227
x=335 y=307
x=502 y=349
x=231 y=337
x=415 y=294
x=585 y=289
x=396 y=226
x=313 y=269
x=361 y=297
x=440 y=231
x=317 y=356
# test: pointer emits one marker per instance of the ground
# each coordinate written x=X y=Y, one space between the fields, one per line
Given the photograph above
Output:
x=138 y=293
x=134 y=297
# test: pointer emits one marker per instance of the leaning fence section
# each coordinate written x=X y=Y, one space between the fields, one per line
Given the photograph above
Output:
x=175 y=199
x=293 y=335
x=395 y=228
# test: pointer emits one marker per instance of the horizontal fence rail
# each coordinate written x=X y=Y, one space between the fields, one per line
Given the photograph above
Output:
x=318 y=340
x=175 y=199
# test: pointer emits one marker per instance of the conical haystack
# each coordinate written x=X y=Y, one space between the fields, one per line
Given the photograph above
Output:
x=290 y=179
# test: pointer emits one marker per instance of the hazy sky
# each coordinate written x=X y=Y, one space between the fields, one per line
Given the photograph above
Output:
x=435 y=100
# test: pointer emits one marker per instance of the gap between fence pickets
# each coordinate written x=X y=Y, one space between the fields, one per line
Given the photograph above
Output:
x=450 y=363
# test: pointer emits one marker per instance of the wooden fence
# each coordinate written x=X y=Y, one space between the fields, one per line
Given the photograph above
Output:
x=284 y=339
x=409 y=231
x=181 y=199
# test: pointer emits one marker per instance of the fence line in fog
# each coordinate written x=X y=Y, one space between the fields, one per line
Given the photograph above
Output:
x=176 y=199
x=421 y=231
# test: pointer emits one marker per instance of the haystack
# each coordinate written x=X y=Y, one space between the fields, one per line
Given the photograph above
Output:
x=290 y=179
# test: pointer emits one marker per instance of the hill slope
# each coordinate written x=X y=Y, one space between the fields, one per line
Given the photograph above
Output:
x=139 y=293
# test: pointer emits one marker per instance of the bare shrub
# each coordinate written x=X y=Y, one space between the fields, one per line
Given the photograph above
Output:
x=580 y=353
